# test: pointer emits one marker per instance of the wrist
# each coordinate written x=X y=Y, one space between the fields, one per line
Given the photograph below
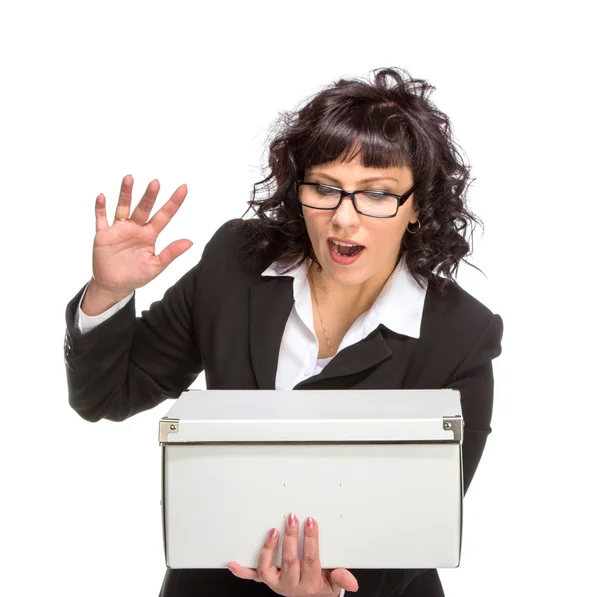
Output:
x=97 y=299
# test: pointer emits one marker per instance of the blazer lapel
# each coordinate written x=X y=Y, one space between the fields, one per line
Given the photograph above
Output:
x=270 y=306
x=363 y=355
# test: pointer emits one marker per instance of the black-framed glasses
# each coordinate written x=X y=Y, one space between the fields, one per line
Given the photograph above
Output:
x=375 y=204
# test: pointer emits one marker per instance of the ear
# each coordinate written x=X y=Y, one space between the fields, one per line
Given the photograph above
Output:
x=414 y=215
x=414 y=210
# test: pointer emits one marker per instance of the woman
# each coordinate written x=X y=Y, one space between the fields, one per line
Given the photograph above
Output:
x=343 y=280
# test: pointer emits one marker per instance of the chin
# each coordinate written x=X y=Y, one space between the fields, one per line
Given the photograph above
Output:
x=345 y=275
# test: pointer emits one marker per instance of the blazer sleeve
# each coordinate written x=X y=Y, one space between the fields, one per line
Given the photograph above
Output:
x=474 y=379
x=128 y=364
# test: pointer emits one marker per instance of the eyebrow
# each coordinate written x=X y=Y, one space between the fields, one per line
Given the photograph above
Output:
x=371 y=179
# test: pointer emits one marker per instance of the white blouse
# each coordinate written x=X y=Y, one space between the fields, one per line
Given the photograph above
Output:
x=399 y=307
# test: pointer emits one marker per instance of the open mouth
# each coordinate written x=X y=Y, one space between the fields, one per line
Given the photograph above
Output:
x=345 y=249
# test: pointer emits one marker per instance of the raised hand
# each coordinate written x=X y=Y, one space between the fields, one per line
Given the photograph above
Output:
x=124 y=256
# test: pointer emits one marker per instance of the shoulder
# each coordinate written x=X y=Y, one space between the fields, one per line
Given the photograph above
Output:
x=454 y=304
x=456 y=319
x=227 y=254
x=231 y=235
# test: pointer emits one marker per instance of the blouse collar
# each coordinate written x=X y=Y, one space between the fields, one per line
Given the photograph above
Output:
x=399 y=306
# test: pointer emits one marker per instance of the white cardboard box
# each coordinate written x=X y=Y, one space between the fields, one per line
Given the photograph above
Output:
x=380 y=471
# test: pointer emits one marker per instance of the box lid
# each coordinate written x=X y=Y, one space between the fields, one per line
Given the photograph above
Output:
x=313 y=416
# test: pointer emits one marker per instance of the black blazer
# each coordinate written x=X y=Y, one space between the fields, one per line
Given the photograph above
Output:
x=222 y=317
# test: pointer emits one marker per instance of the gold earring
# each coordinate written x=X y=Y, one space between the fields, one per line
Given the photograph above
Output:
x=414 y=231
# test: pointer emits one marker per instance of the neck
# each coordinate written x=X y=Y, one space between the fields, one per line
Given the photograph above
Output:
x=348 y=299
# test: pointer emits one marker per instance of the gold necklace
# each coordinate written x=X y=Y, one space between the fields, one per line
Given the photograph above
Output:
x=322 y=324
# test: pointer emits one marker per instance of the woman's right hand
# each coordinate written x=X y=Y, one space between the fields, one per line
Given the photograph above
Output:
x=123 y=255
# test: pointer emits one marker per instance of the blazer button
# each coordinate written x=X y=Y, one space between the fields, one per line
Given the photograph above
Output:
x=67 y=345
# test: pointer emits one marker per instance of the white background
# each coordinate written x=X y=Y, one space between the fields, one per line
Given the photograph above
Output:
x=93 y=91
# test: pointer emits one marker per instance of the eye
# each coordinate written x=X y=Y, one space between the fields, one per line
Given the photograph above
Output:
x=323 y=190
x=375 y=195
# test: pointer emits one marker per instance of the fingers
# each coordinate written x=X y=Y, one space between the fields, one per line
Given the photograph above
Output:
x=265 y=569
x=245 y=573
x=340 y=577
x=172 y=251
x=163 y=216
x=101 y=220
x=124 y=204
x=310 y=568
x=290 y=564
x=306 y=576
x=142 y=211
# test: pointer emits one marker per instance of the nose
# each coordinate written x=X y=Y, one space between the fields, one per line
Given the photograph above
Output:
x=345 y=216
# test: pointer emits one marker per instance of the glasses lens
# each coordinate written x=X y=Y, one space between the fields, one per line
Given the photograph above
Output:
x=371 y=204
x=376 y=205
x=318 y=196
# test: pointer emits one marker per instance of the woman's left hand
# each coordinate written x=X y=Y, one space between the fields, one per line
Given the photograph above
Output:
x=296 y=578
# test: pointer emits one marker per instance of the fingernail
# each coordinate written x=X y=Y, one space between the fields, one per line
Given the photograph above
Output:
x=310 y=522
x=292 y=519
x=273 y=533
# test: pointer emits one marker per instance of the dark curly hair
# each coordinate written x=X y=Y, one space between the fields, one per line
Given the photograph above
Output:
x=389 y=122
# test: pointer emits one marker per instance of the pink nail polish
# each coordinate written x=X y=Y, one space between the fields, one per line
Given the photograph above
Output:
x=292 y=519
x=310 y=522
x=273 y=533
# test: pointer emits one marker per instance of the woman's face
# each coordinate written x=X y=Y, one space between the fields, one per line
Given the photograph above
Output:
x=381 y=237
